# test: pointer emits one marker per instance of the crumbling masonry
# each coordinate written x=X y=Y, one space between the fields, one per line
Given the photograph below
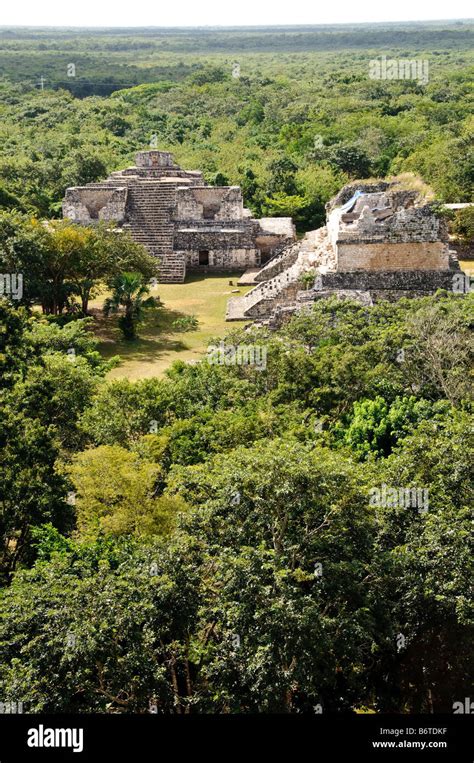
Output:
x=186 y=224
x=380 y=242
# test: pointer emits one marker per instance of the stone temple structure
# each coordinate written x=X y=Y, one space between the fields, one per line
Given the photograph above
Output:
x=186 y=224
x=381 y=241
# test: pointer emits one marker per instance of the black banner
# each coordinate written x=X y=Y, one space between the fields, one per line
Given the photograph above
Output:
x=151 y=737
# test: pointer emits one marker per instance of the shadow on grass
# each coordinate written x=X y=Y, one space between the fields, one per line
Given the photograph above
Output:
x=141 y=350
x=153 y=338
x=159 y=342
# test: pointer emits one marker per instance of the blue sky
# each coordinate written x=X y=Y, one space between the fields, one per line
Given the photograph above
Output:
x=224 y=12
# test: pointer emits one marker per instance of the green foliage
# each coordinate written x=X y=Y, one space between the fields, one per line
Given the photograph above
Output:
x=115 y=494
x=122 y=617
x=45 y=337
x=9 y=200
x=13 y=350
x=463 y=224
x=44 y=392
x=219 y=551
x=303 y=102
x=350 y=159
x=376 y=427
x=307 y=279
x=129 y=293
x=123 y=411
x=186 y=323
x=60 y=260
x=208 y=75
x=32 y=492
x=223 y=552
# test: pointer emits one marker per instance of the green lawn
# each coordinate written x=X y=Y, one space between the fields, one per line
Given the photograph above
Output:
x=158 y=345
x=467 y=266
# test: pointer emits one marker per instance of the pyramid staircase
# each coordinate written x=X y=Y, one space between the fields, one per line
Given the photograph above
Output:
x=282 y=277
x=150 y=206
x=283 y=258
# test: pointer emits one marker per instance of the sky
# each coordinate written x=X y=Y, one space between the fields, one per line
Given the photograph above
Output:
x=224 y=12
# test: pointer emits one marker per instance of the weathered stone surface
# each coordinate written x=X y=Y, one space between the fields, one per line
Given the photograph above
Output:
x=209 y=203
x=221 y=259
x=401 y=280
x=181 y=221
x=380 y=242
x=98 y=202
x=153 y=159
x=410 y=255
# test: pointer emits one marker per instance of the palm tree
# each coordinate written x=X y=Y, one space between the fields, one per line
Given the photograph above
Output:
x=129 y=292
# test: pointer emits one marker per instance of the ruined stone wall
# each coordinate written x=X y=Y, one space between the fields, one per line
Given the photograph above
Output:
x=266 y=306
x=89 y=204
x=222 y=259
x=178 y=218
x=207 y=202
x=393 y=281
x=349 y=190
x=215 y=237
x=414 y=224
x=333 y=223
x=387 y=256
x=154 y=159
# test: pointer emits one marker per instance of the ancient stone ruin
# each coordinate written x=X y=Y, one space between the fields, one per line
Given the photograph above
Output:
x=381 y=241
x=186 y=224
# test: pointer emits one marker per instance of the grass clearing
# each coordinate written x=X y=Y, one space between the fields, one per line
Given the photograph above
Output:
x=158 y=344
x=467 y=266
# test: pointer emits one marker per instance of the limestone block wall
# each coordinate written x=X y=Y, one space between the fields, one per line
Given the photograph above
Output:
x=91 y=203
x=212 y=237
x=424 y=255
x=413 y=224
x=221 y=259
x=386 y=281
x=281 y=299
x=152 y=159
x=206 y=202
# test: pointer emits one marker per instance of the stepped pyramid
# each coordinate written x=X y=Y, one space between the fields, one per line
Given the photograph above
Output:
x=184 y=223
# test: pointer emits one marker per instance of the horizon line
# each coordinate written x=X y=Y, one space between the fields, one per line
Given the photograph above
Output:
x=239 y=26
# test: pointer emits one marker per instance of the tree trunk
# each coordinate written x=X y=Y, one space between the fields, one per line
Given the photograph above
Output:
x=85 y=301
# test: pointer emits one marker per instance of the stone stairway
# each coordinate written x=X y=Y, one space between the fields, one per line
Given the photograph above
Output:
x=281 y=260
x=258 y=300
x=172 y=268
x=151 y=204
x=305 y=255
